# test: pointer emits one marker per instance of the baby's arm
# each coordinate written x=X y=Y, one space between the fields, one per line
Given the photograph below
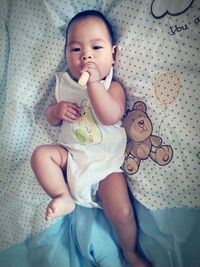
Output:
x=108 y=104
x=57 y=112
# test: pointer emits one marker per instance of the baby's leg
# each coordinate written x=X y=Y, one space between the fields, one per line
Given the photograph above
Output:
x=113 y=193
x=49 y=165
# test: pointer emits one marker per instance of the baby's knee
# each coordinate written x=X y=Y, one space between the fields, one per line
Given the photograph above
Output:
x=38 y=154
x=125 y=214
x=121 y=214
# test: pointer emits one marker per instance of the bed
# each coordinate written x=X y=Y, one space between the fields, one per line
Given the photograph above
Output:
x=158 y=63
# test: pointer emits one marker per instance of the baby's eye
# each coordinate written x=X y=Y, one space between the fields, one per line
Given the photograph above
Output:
x=75 y=49
x=97 y=47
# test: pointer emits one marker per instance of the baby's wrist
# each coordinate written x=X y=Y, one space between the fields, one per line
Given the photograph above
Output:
x=93 y=83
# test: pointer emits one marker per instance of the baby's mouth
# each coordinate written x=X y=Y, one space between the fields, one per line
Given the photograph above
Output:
x=88 y=62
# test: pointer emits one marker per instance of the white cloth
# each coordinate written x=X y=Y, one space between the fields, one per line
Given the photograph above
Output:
x=95 y=150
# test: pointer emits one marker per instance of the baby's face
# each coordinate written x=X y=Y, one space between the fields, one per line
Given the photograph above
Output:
x=88 y=40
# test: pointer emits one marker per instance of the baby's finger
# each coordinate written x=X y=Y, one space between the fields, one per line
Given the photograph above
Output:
x=74 y=110
x=71 y=115
x=72 y=105
x=70 y=118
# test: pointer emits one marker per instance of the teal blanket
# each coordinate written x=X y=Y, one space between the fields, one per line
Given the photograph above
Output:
x=169 y=238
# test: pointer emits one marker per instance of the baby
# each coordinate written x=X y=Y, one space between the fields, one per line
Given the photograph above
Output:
x=91 y=145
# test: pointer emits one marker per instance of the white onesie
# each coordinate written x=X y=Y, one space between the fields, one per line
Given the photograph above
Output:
x=95 y=150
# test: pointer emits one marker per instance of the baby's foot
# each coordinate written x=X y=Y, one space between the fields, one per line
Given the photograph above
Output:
x=136 y=261
x=59 y=206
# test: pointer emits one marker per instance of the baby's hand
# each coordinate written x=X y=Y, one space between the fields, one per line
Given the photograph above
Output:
x=67 y=111
x=92 y=69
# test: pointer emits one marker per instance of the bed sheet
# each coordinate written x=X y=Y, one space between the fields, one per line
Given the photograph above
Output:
x=158 y=62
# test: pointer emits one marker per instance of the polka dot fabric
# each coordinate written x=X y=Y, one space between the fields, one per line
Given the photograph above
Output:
x=154 y=46
x=158 y=62
x=32 y=51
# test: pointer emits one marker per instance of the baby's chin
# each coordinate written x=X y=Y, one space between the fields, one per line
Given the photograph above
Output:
x=73 y=76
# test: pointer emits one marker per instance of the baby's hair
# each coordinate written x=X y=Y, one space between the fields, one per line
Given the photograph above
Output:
x=91 y=13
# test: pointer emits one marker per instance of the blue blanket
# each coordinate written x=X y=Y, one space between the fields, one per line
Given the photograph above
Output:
x=85 y=238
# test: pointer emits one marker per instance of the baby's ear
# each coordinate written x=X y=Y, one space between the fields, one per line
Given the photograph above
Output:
x=114 y=51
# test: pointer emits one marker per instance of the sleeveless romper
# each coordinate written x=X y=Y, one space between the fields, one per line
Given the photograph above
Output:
x=95 y=150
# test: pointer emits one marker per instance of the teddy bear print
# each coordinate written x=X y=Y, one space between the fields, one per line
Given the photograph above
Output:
x=141 y=143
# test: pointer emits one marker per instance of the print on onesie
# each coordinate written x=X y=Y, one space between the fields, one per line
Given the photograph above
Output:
x=86 y=130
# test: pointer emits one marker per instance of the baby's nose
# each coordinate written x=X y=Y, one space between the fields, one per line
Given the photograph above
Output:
x=86 y=56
